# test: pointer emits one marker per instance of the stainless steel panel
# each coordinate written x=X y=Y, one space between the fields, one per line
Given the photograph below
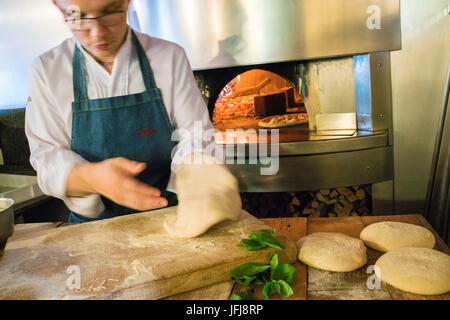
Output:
x=383 y=198
x=224 y=33
x=314 y=172
x=317 y=145
x=381 y=92
x=373 y=95
x=20 y=188
x=336 y=121
x=334 y=133
x=330 y=88
x=362 y=92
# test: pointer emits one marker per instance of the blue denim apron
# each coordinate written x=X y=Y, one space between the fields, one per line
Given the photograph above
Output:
x=134 y=126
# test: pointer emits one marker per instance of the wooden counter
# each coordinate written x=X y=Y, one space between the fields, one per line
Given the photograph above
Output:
x=311 y=283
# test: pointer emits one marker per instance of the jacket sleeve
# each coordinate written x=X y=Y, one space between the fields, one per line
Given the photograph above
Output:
x=49 y=141
x=193 y=125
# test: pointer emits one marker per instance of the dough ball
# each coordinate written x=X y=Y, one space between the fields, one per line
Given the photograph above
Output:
x=389 y=235
x=332 y=252
x=417 y=270
x=207 y=194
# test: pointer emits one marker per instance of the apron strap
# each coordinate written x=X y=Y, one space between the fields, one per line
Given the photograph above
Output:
x=146 y=70
x=79 y=78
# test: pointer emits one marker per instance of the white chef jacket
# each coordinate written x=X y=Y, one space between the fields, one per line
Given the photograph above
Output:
x=48 y=120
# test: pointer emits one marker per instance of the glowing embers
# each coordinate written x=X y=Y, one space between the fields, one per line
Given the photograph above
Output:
x=235 y=106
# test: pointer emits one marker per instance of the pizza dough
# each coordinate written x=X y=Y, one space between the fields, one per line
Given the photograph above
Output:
x=332 y=251
x=207 y=194
x=389 y=235
x=284 y=120
x=417 y=270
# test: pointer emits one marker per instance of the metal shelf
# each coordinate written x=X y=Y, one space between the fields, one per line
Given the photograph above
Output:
x=364 y=158
x=316 y=144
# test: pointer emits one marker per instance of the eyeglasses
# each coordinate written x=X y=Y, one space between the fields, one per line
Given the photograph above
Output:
x=106 y=20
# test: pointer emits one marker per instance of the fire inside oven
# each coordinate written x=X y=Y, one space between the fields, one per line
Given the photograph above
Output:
x=256 y=99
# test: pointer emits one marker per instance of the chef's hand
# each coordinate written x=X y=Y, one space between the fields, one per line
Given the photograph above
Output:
x=115 y=179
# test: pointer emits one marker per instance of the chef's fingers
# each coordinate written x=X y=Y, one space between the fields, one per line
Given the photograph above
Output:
x=141 y=203
x=118 y=183
x=130 y=166
x=147 y=203
x=131 y=184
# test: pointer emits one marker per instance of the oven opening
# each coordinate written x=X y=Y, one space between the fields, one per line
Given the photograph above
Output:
x=253 y=96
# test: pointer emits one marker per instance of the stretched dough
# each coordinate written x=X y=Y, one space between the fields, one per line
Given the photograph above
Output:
x=332 y=251
x=207 y=194
x=389 y=235
x=417 y=270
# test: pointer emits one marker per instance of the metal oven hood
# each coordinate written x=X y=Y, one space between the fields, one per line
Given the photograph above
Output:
x=226 y=33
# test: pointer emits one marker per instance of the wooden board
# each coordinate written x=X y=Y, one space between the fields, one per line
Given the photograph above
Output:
x=324 y=285
x=129 y=257
x=220 y=291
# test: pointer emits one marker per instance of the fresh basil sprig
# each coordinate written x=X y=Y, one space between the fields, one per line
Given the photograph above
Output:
x=281 y=276
x=245 y=295
x=248 y=273
x=261 y=239
x=273 y=276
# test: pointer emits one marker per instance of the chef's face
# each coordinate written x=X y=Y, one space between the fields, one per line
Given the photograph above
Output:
x=102 y=37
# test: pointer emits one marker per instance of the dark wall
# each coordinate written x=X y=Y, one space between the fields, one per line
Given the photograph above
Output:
x=13 y=142
x=16 y=156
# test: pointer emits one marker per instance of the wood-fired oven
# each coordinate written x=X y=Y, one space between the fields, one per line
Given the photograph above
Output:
x=329 y=59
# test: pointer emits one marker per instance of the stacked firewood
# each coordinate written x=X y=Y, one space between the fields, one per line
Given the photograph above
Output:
x=339 y=202
x=267 y=204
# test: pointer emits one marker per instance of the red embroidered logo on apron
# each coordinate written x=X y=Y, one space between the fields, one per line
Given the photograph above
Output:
x=145 y=132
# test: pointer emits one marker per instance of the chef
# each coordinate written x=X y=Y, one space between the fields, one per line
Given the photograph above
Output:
x=102 y=112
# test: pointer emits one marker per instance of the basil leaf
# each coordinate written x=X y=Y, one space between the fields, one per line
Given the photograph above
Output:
x=246 y=280
x=283 y=289
x=252 y=245
x=267 y=290
x=277 y=287
x=245 y=295
x=263 y=277
x=243 y=273
x=284 y=272
x=273 y=265
x=261 y=233
x=274 y=261
x=266 y=237
x=264 y=231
